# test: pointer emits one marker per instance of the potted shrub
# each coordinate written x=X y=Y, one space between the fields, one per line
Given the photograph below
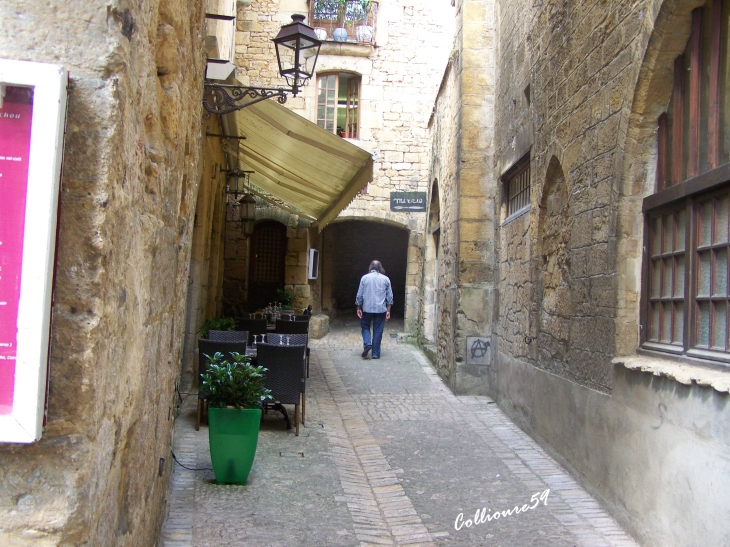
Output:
x=217 y=323
x=285 y=298
x=235 y=392
x=340 y=33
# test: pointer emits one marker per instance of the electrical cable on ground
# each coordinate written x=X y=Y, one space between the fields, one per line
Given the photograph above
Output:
x=190 y=468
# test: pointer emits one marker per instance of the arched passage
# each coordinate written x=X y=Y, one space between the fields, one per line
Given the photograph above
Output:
x=349 y=246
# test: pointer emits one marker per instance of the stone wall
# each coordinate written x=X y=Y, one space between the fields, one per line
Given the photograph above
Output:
x=128 y=199
x=461 y=158
x=579 y=87
x=445 y=129
x=567 y=104
x=206 y=266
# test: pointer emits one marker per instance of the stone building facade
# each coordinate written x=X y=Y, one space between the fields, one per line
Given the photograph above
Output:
x=537 y=234
x=399 y=74
x=130 y=198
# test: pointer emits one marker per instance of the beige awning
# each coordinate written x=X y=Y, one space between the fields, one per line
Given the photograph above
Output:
x=298 y=162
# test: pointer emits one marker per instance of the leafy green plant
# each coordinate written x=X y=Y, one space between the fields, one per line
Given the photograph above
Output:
x=285 y=297
x=235 y=383
x=217 y=323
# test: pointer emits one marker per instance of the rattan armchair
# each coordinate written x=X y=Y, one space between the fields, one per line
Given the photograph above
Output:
x=228 y=335
x=295 y=327
x=254 y=327
x=285 y=375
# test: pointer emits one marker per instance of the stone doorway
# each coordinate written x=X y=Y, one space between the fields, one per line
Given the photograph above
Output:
x=349 y=246
x=268 y=256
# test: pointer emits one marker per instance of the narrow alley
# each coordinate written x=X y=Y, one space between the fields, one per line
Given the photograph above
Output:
x=388 y=456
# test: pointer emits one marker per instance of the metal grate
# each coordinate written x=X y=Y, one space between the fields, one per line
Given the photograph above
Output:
x=269 y=248
x=518 y=190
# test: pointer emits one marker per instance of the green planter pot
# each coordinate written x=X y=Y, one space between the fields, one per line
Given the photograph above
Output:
x=233 y=434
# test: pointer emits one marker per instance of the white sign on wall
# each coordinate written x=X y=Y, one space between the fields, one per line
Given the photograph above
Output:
x=32 y=116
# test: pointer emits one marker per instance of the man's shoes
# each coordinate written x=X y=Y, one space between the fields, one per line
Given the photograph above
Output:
x=378 y=357
x=366 y=351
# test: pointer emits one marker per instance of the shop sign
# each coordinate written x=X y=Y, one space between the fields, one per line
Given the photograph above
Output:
x=32 y=114
x=408 y=202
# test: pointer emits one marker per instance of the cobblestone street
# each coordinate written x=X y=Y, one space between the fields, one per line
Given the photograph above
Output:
x=388 y=456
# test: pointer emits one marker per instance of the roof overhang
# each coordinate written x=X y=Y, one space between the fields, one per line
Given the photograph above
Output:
x=310 y=169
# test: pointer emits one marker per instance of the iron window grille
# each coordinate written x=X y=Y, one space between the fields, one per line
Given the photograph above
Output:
x=517 y=187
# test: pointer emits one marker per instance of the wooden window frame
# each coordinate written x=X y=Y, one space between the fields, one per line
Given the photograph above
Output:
x=687 y=196
x=352 y=103
x=690 y=114
x=689 y=178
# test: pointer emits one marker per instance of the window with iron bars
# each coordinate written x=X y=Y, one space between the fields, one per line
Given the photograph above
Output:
x=517 y=187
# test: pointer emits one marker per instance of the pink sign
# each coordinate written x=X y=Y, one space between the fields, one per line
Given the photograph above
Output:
x=15 y=125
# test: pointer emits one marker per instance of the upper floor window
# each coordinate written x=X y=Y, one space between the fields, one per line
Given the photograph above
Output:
x=353 y=20
x=686 y=298
x=338 y=103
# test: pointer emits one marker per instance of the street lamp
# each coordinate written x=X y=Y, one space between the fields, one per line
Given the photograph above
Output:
x=239 y=188
x=295 y=44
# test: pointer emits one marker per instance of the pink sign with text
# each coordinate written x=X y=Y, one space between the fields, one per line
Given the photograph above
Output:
x=15 y=128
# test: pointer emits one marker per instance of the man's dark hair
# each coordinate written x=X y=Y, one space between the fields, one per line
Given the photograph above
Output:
x=377 y=266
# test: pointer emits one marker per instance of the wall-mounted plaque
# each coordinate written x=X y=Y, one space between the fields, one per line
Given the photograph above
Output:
x=32 y=114
x=408 y=202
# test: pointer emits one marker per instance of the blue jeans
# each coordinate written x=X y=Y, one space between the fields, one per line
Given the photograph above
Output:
x=378 y=321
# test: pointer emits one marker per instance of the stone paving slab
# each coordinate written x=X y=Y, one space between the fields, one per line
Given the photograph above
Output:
x=389 y=456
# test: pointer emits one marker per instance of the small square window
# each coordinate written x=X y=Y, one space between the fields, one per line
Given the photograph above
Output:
x=517 y=187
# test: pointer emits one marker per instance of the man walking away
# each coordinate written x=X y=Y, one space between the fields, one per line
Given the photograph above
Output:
x=374 y=299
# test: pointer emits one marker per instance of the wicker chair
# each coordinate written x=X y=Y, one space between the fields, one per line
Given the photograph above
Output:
x=294 y=327
x=228 y=335
x=252 y=326
x=277 y=339
x=209 y=348
x=284 y=376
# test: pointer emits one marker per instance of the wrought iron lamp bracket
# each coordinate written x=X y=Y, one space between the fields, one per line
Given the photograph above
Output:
x=225 y=98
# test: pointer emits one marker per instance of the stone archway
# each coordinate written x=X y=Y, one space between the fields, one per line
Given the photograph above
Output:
x=348 y=248
x=555 y=303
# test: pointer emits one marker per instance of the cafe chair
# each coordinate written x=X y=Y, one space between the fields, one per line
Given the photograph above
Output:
x=284 y=377
x=252 y=326
x=277 y=339
x=208 y=348
x=228 y=335
x=294 y=327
